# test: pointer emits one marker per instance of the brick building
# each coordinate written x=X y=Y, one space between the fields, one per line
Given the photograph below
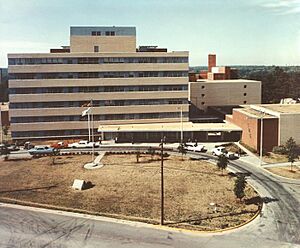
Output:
x=280 y=122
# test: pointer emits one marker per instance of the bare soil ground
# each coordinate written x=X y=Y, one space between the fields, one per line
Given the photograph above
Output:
x=286 y=171
x=127 y=188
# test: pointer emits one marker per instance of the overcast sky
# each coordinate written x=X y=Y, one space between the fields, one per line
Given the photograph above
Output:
x=241 y=32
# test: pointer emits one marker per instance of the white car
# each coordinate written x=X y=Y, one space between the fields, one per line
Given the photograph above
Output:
x=194 y=148
x=83 y=144
x=221 y=150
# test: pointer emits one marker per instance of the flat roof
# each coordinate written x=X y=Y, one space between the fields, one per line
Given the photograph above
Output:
x=255 y=113
x=227 y=81
x=169 y=127
x=283 y=108
x=92 y=54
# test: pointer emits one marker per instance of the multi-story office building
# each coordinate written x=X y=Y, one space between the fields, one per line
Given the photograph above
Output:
x=49 y=91
x=231 y=92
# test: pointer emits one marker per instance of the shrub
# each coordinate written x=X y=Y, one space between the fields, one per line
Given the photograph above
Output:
x=279 y=150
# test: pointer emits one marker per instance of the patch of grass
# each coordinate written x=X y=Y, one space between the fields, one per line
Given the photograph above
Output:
x=127 y=188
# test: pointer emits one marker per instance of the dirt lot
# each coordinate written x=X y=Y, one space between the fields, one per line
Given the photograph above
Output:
x=286 y=171
x=125 y=187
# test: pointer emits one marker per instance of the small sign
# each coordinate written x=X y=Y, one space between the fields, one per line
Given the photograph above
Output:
x=78 y=184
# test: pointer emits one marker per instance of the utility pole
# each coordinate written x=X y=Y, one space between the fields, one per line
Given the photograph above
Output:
x=162 y=182
x=181 y=119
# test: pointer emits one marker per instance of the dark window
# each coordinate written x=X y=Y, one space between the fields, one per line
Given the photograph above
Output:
x=245 y=102
x=202 y=103
x=202 y=86
x=94 y=33
x=98 y=33
x=110 y=33
x=245 y=86
x=203 y=95
x=96 y=49
x=245 y=94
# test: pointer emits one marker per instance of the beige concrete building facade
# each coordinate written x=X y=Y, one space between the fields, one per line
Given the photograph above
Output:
x=49 y=91
x=206 y=93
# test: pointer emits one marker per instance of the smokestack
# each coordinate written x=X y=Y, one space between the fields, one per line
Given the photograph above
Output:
x=212 y=61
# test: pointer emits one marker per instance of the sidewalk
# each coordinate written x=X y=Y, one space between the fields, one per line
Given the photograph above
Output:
x=251 y=158
x=254 y=159
x=284 y=164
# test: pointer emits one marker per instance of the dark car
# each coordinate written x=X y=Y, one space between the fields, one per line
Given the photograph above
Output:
x=4 y=150
x=13 y=148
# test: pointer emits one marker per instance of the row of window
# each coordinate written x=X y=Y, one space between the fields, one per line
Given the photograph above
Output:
x=244 y=102
x=96 y=60
x=97 y=103
x=42 y=90
x=203 y=86
x=107 y=33
x=52 y=133
x=203 y=95
x=34 y=119
x=20 y=76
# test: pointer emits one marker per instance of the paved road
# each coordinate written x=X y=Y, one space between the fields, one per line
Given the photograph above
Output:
x=278 y=226
x=26 y=228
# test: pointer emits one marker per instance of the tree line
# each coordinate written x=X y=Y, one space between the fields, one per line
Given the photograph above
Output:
x=277 y=82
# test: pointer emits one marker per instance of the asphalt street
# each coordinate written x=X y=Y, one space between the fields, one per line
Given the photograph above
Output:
x=277 y=226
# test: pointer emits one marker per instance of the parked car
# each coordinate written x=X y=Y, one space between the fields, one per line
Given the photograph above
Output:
x=60 y=145
x=42 y=150
x=221 y=150
x=83 y=144
x=13 y=148
x=193 y=147
x=4 y=150
x=28 y=145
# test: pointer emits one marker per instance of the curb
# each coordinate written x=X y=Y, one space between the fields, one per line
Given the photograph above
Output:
x=121 y=218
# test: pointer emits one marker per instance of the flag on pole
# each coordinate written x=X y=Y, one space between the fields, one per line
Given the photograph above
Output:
x=85 y=112
x=86 y=104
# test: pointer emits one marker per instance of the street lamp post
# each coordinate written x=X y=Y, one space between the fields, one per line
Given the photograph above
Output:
x=162 y=181
x=261 y=137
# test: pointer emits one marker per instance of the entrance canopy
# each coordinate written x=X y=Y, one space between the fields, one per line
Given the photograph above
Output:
x=170 y=127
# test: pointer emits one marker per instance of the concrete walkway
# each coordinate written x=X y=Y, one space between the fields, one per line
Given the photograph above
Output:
x=96 y=164
x=284 y=164
x=250 y=158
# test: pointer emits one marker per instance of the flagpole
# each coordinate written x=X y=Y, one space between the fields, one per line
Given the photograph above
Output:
x=89 y=128
x=92 y=119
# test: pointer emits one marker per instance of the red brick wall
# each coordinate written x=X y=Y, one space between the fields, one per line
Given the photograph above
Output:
x=203 y=75
x=270 y=134
x=249 y=126
x=251 y=130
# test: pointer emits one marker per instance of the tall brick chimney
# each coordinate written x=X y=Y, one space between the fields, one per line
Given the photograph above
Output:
x=212 y=61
